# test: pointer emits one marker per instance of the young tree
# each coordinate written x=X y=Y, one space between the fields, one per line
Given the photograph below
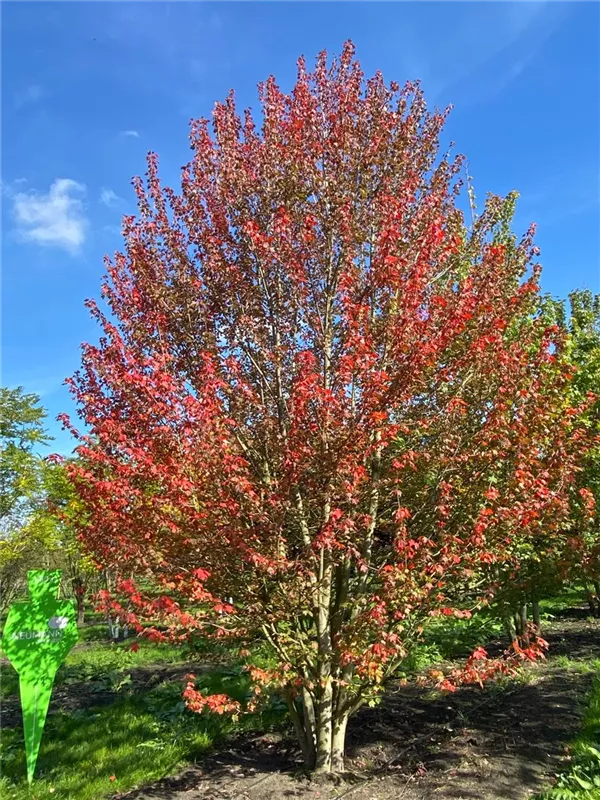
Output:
x=37 y=502
x=541 y=565
x=318 y=394
x=21 y=429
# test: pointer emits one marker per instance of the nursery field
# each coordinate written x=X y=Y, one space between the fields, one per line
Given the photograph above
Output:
x=117 y=726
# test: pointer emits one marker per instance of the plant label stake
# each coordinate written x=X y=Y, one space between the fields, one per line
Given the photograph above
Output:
x=36 y=639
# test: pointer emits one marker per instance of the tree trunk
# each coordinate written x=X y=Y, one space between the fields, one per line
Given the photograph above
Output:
x=113 y=627
x=320 y=730
x=304 y=732
x=324 y=728
x=535 y=608
x=591 y=601
x=308 y=717
x=80 y=601
x=338 y=743
x=524 y=632
x=517 y=621
x=510 y=628
x=596 y=586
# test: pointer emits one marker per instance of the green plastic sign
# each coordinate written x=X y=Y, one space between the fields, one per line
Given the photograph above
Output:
x=36 y=639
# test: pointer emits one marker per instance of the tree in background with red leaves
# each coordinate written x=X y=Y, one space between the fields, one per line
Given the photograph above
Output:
x=322 y=409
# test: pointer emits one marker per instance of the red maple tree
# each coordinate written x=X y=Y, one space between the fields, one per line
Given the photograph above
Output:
x=322 y=407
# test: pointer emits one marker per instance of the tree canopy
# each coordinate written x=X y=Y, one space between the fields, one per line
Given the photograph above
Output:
x=323 y=408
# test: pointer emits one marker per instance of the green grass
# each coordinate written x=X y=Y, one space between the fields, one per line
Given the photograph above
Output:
x=136 y=735
x=575 y=664
x=98 y=662
x=573 y=597
x=582 y=780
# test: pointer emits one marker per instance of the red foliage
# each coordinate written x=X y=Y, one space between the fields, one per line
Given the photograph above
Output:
x=316 y=392
x=479 y=668
x=217 y=703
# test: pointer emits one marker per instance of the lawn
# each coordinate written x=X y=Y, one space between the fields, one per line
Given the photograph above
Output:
x=117 y=719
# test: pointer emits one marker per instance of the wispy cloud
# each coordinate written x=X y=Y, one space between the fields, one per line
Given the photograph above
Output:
x=55 y=219
x=109 y=198
x=560 y=195
x=42 y=385
x=133 y=134
x=28 y=96
x=494 y=44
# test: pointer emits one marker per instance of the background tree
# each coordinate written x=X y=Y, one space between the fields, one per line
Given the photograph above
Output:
x=56 y=521
x=38 y=504
x=580 y=318
x=319 y=394
x=21 y=431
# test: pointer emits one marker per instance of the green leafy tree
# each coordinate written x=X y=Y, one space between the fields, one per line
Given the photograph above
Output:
x=53 y=525
x=21 y=485
x=583 y=325
x=21 y=430
x=38 y=504
x=540 y=565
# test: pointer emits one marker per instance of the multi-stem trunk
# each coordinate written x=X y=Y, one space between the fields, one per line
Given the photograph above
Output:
x=320 y=727
x=324 y=690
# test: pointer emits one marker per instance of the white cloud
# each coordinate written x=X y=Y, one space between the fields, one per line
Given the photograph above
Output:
x=109 y=198
x=133 y=134
x=55 y=219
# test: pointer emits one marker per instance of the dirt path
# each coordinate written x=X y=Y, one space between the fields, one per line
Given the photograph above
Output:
x=500 y=743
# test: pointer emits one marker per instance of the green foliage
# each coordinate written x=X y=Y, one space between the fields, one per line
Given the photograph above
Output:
x=457 y=638
x=580 y=319
x=21 y=429
x=21 y=489
x=38 y=504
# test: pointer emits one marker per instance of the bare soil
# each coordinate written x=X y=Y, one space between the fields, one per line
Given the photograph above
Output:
x=497 y=743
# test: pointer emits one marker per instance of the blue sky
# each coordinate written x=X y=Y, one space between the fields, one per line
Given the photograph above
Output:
x=88 y=88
